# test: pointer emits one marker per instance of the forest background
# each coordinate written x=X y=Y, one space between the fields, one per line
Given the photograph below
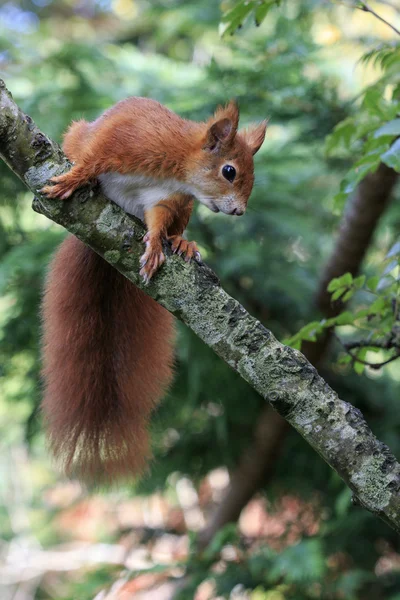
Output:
x=332 y=140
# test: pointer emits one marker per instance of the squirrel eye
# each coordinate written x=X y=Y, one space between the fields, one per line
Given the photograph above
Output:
x=229 y=172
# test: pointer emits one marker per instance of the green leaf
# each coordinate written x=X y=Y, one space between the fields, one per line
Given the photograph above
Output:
x=329 y=322
x=372 y=100
x=345 y=318
x=359 y=281
x=359 y=368
x=361 y=314
x=348 y=295
x=391 y=128
x=378 y=306
x=346 y=279
x=391 y=158
x=372 y=283
x=310 y=329
x=262 y=11
x=344 y=359
x=233 y=19
x=386 y=323
x=295 y=345
x=338 y=293
x=334 y=284
x=370 y=160
x=309 y=332
x=340 y=282
x=342 y=136
x=339 y=200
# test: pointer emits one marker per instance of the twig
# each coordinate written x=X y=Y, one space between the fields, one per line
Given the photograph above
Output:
x=384 y=345
x=366 y=8
x=373 y=365
x=387 y=345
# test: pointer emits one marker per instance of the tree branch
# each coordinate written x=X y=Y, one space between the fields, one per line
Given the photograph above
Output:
x=281 y=375
x=388 y=344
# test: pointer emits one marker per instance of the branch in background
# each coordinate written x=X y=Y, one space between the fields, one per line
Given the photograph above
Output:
x=355 y=234
x=281 y=375
x=387 y=345
x=370 y=364
x=366 y=8
x=384 y=345
x=255 y=467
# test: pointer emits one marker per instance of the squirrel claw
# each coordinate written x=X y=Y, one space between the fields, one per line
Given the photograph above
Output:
x=61 y=187
x=151 y=261
x=184 y=248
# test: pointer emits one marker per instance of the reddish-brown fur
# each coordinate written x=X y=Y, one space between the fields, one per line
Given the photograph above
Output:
x=108 y=346
x=108 y=355
x=139 y=135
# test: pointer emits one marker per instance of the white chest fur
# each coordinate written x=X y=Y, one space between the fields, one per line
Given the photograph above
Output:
x=137 y=193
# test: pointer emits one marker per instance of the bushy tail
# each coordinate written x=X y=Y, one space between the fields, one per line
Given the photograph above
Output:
x=107 y=353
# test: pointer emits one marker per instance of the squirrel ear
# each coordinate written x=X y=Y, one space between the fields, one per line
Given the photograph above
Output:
x=255 y=135
x=222 y=127
x=219 y=134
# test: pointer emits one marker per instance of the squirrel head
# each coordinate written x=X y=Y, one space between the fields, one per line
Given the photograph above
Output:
x=222 y=169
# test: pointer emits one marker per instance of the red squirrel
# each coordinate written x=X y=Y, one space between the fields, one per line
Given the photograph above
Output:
x=107 y=346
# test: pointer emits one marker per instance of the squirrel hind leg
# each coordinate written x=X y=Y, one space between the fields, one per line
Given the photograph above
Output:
x=63 y=186
x=77 y=148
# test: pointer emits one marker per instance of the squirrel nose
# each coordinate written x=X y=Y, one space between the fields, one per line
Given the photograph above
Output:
x=237 y=212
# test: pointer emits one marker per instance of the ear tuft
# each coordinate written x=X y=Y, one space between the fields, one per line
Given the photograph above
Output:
x=222 y=126
x=229 y=111
x=255 y=135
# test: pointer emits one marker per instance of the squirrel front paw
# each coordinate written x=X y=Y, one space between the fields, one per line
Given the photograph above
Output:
x=61 y=187
x=152 y=259
x=184 y=248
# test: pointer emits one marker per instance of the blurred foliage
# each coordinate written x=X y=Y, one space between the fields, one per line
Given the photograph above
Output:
x=333 y=116
x=372 y=136
x=376 y=323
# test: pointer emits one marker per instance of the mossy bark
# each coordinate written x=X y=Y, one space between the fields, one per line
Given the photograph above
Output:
x=192 y=292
